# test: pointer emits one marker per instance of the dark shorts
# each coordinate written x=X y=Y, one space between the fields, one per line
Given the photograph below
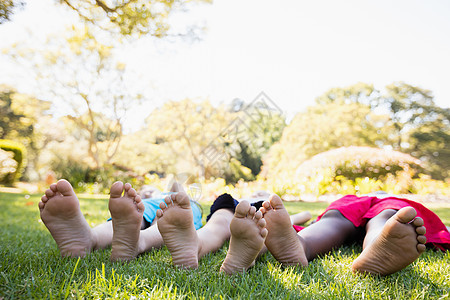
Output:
x=228 y=202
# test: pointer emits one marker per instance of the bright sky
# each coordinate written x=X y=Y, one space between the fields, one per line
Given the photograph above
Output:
x=292 y=50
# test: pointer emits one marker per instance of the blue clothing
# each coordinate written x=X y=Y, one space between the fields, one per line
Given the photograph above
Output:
x=152 y=205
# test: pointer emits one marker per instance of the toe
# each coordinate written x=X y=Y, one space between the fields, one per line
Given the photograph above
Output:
x=41 y=205
x=140 y=206
x=49 y=193
x=422 y=239
x=258 y=215
x=242 y=209
x=421 y=230
x=137 y=199
x=264 y=232
x=405 y=215
x=53 y=187
x=126 y=189
x=132 y=192
x=116 y=189
x=261 y=223
x=168 y=201
x=182 y=199
x=64 y=187
x=159 y=213
x=276 y=202
x=266 y=205
x=418 y=222
x=44 y=198
x=163 y=205
x=251 y=212
x=421 y=248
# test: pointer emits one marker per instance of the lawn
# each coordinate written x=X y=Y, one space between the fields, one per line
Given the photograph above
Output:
x=30 y=267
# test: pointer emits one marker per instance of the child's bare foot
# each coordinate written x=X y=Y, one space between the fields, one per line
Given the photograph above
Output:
x=126 y=213
x=176 y=225
x=282 y=240
x=60 y=211
x=247 y=239
x=398 y=245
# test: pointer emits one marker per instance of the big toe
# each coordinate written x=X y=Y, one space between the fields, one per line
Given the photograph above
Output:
x=182 y=199
x=64 y=187
x=116 y=189
x=405 y=215
x=276 y=202
x=242 y=209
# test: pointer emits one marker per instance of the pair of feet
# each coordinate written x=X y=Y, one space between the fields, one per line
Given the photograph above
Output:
x=61 y=214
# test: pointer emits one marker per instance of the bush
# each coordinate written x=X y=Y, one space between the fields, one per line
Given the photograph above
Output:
x=7 y=163
x=19 y=155
x=359 y=162
x=96 y=180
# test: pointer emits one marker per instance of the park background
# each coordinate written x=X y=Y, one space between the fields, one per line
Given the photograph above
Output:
x=307 y=100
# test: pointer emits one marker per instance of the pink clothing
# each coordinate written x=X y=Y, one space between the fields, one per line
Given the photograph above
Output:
x=359 y=210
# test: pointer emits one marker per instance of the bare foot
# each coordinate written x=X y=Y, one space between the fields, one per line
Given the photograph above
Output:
x=247 y=239
x=60 y=211
x=282 y=240
x=176 y=225
x=126 y=213
x=400 y=242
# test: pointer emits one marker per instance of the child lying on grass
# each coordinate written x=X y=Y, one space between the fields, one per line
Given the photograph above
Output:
x=129 y=232
x=392 y=231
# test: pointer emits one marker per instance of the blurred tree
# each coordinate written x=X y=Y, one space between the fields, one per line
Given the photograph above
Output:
x=11 y=122
x=405 y=118
x=187 y=130
x=258 y=130
x=20 y=119
x=81 y=75
x=7 y=8
x=361 y=93
x=130 y=17
x=323 y=127
x=422 y=128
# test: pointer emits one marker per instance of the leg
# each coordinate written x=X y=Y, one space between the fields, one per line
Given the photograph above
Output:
x=330 y=232
x=60 y=211
x=149 y=238
x=126 y=213
x=300 y=218
x=393 y=241
x=216 y=231
x=247 y=239
x=103 y=234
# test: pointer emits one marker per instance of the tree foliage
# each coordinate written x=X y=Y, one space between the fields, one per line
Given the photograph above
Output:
x=323 y=127
x=21 y=117
x=259 y=129
x=82 y=76
x=404 y=118
x=185 y=129
x=421 y=127
x=129 y=17
x=7 y=8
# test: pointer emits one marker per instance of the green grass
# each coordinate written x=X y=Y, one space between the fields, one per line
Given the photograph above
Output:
x=30 y=267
